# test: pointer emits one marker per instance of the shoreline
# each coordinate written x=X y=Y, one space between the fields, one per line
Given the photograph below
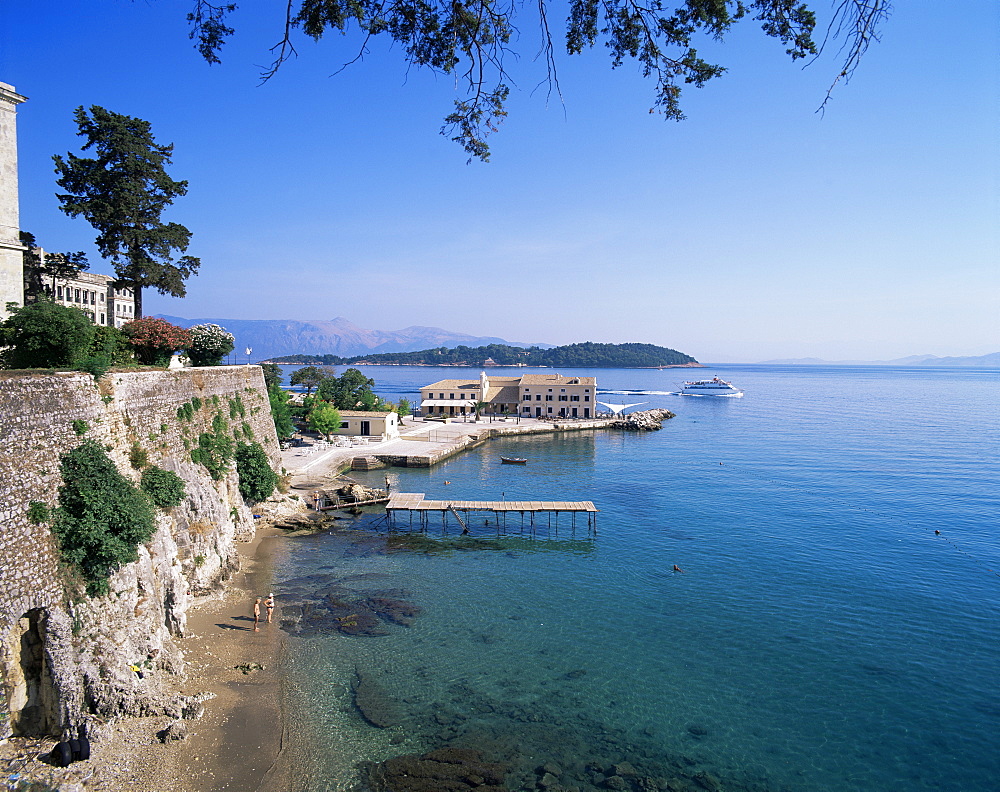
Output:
x=237 y=739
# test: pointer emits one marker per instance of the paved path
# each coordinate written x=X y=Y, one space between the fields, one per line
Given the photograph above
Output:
x=426 y=438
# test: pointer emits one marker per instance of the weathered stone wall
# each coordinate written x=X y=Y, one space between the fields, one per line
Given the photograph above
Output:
x=91 y=644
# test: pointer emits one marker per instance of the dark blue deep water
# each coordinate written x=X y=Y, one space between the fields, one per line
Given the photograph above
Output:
x=821 y=637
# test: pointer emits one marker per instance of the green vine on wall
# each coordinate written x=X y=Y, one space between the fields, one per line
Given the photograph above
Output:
x=215 y=449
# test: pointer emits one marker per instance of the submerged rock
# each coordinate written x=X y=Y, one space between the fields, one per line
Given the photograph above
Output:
x=444 y=770
x=394 y=610
x=375 y=706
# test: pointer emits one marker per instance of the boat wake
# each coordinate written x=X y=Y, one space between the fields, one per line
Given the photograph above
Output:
x=640 y=392
x=671 y=393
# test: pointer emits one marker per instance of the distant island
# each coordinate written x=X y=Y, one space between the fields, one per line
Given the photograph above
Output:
x=585 y=355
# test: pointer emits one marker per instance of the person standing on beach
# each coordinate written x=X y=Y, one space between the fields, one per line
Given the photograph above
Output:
x=256 y=615
x=269 y=604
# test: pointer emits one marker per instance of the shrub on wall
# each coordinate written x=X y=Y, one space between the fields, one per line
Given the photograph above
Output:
x=38 y=513
x=45 y=335
x=155 y=340
x=138 y=456
x=102 y=518
x=257 y=480
x=163 y=487
x=210 y=343
x=215 y=448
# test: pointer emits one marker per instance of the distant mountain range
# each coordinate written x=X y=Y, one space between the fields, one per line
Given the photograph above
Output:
x=991 y=360
x=274 y=337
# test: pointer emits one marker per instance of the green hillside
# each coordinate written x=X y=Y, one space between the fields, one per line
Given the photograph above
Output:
x=585 y=355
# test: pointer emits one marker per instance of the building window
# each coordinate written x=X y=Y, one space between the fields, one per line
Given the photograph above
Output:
x=586 y=398
x=550 y=411
x=562 y=390
x=548 y=398
x=76 y=295
x=574 y=397
x=343 y=424
x=526 y=409
x=59 y=292
x=102 y=298
x=538 y=397
x=562 y=398
x=102 y=319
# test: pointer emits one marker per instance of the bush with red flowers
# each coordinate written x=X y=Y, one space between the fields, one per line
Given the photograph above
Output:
x=155 y=340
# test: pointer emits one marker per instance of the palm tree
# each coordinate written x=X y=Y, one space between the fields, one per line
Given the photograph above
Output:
x=479 y=407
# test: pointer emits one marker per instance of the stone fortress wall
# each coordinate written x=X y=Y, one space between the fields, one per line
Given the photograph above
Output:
x=66 y=657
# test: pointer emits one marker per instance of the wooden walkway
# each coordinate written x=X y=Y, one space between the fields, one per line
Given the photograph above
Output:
x=415 y=504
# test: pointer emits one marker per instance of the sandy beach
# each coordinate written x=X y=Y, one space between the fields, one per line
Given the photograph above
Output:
x=236 y=744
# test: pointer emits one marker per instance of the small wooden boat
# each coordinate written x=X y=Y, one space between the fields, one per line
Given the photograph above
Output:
x=513 y=460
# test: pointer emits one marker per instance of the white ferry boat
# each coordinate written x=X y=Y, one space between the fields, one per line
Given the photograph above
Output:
x=712 y=387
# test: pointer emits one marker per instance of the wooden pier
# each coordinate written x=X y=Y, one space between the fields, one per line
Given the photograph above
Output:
x=537 y=513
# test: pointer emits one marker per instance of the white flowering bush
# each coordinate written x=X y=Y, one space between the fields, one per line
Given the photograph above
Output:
x=209 y=344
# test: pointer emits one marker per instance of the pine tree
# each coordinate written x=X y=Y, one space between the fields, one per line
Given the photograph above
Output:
x=122 y=193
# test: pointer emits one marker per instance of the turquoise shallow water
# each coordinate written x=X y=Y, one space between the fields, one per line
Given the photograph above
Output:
x=822 y=637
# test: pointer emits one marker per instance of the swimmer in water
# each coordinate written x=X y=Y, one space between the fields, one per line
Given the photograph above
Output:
x=678 y=569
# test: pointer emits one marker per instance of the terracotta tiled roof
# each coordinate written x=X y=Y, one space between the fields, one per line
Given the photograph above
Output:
x=452 y=384
x=557 y=379
x=505 y=395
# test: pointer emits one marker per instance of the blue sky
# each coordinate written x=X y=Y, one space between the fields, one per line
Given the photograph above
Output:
x=755 y=229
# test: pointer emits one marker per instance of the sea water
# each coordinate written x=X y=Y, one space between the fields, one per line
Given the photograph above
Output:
x=822 y=635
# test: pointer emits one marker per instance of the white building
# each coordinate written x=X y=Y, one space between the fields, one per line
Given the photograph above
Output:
x=529 y=396
x=96 y=296
x=11 y=249
x=362 y=423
